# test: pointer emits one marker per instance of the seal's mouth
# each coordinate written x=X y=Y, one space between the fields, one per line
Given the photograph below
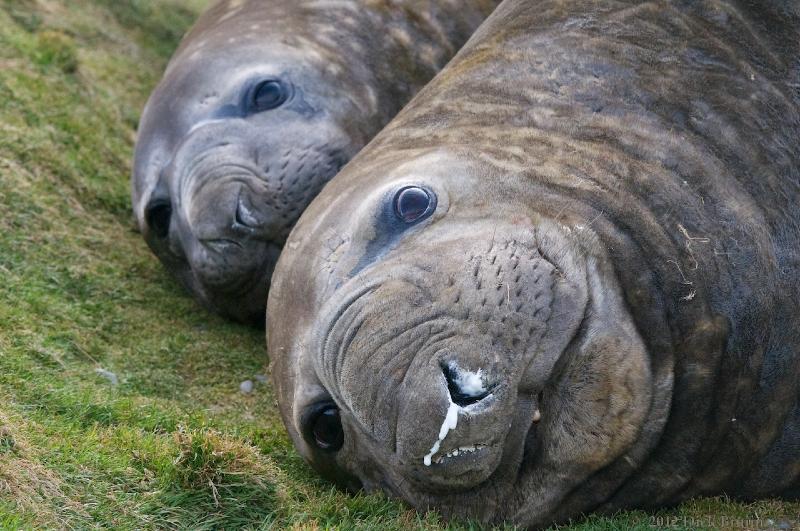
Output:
x=236 y=289
x=463 y=453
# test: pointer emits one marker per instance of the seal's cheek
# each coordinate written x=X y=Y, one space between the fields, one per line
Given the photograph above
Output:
x=599 y=404
x=597 y=401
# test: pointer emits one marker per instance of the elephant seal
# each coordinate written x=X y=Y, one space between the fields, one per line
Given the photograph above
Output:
x=263 y=102
x=566 y=277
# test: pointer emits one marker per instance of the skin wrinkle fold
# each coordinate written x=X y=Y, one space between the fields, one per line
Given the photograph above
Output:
x=411 y=331
x=387 y=391
x=332 y=375
x=427 y=344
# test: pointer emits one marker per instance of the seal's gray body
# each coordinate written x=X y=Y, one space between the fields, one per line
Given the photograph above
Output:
x=219 y=180
x=613 y=256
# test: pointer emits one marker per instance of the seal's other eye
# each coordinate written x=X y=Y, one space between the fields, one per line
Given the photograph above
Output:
x=269 y=95
x=158 y=214
x=413 y=203
x=323 y=427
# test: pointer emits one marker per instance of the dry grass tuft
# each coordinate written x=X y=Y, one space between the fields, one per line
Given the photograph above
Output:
x=35 y=489
x=210 y=460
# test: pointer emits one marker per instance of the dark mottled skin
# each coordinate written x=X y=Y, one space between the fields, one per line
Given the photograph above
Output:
x=616 y=245
x=235 y=179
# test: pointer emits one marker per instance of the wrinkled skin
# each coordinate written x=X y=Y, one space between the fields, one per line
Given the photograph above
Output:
x=606 y=226
x=262 y=104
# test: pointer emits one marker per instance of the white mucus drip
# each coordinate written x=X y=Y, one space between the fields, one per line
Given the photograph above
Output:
x=450 y=423
x=469 y=384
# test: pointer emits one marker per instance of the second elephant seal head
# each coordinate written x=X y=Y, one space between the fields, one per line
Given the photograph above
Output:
x=254 y=115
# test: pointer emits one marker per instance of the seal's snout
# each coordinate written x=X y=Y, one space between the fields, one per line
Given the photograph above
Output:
x=233 y=210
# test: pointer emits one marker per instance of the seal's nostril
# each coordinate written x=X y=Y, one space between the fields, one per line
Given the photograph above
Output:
x=465 y=388
x=244 y=216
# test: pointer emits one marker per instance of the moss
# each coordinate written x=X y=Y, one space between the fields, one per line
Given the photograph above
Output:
x=57 y=50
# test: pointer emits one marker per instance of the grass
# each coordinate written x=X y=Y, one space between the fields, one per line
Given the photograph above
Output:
x=173 y=444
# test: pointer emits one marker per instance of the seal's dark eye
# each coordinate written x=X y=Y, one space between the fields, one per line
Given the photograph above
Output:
x=158 y=214
x=269 y=95
x=412 y=203
x=326 y=427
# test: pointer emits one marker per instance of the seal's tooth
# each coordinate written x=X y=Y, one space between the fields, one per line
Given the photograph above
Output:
x=461 y=450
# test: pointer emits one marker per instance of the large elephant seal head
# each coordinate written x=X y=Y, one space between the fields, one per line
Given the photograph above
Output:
x=249 y=122
x=434 y=337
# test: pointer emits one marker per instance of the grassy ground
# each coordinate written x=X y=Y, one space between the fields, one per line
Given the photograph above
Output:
x=174 y=443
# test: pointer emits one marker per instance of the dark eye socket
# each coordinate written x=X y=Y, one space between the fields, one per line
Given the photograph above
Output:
x=158 y=215
x=413 y=203
x=269 y=95
x=325 y=428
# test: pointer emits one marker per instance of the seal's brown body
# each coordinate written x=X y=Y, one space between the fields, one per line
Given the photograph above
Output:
x=566 y=277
